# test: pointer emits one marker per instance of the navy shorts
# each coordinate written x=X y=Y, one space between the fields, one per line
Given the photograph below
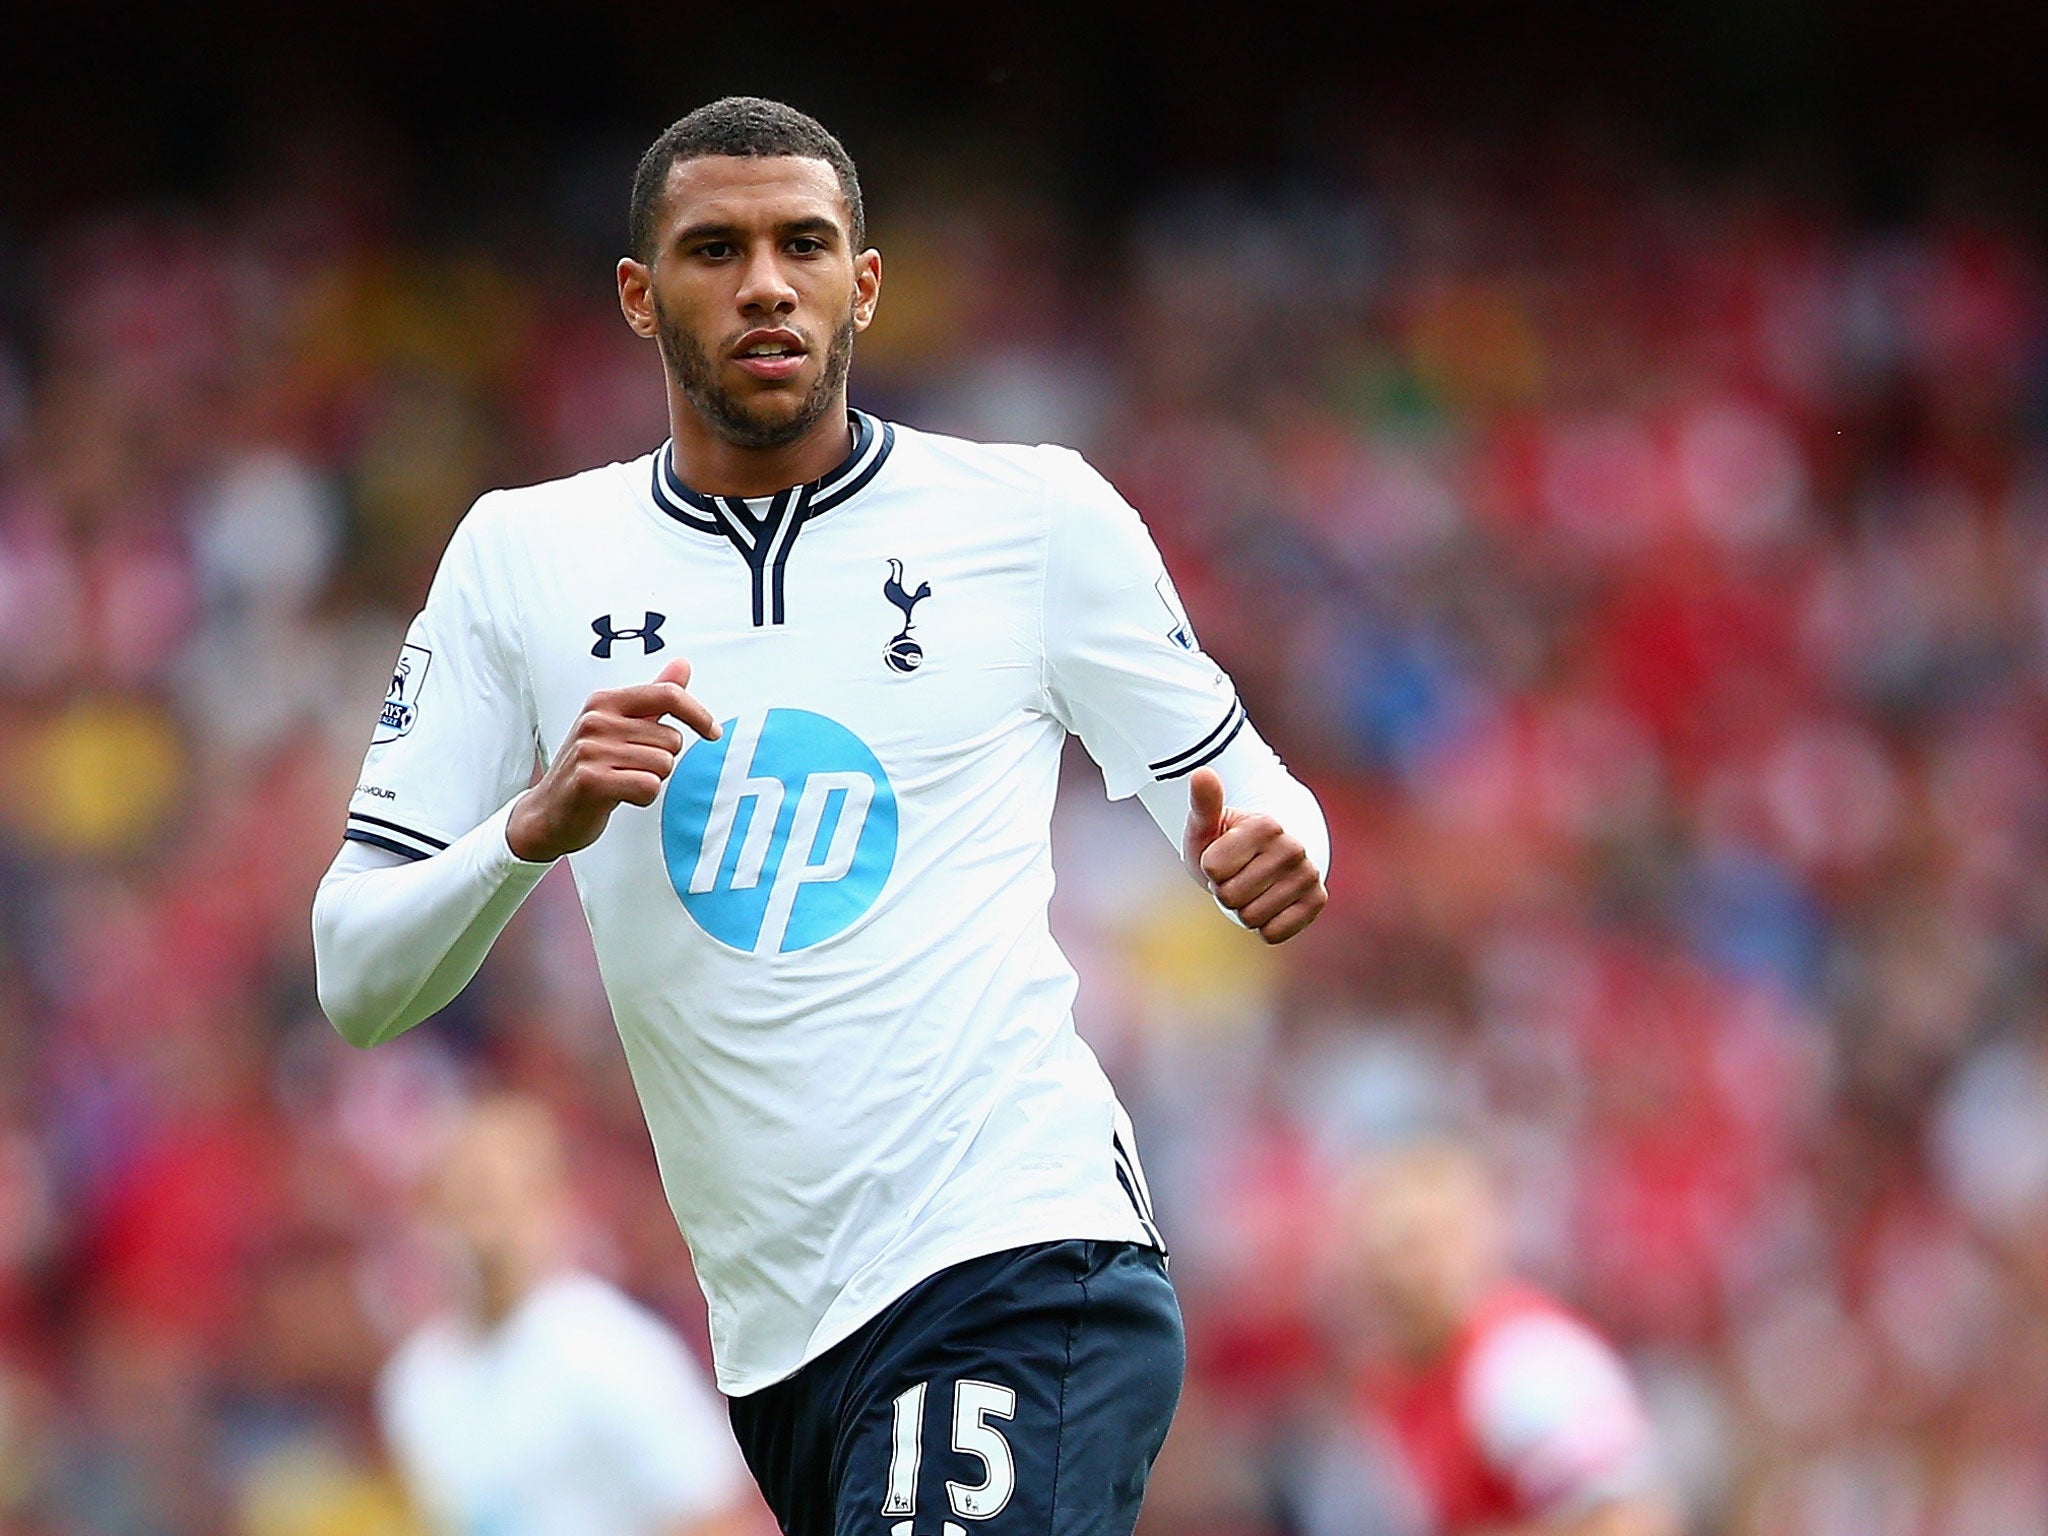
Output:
x=1024 y=1393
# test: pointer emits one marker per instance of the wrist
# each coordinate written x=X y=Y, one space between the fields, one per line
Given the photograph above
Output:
x=526 y=833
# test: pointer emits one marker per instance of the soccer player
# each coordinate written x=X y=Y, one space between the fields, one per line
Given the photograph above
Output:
x=799 y=680
x=1512 y=1416
x=548 y=1404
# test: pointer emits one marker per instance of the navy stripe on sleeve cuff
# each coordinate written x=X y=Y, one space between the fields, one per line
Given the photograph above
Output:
x=399 y=838
x=355 y=835
x=1207 y=750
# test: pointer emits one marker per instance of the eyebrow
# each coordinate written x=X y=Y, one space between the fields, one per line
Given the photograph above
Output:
x=815 y=224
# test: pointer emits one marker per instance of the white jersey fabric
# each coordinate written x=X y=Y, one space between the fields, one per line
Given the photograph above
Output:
x=825 y=945
x=1555 y=1414
x=579 y=1414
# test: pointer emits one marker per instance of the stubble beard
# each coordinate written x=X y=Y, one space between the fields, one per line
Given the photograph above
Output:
x=695 y=374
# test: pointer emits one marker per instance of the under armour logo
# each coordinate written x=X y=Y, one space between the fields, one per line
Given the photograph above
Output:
x=648 y=634
x=903 y=654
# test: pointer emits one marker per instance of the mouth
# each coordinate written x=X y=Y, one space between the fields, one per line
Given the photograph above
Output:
x=771 y=355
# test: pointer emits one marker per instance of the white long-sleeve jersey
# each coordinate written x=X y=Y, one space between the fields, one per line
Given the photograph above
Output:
x=825 y=945
x=579 y=1414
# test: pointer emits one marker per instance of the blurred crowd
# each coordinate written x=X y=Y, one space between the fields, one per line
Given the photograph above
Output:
x=1649 y=571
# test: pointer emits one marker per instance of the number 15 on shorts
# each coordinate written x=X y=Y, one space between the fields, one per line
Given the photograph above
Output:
x=975 y=1403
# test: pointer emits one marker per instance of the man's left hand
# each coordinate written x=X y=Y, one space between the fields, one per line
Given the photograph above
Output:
x=1250 y=863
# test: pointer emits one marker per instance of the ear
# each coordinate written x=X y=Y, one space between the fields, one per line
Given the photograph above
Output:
x=867 y=287
x=636 y=296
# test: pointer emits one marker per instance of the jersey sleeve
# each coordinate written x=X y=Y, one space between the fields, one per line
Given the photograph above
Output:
x=1123 y=669
x=456 y=736
x=1555 y=1414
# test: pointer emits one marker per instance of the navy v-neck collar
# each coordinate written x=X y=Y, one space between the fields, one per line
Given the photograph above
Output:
x=763 y=528
x=872 y=442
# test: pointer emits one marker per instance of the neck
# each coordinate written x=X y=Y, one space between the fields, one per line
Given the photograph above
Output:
x=502 y=1281
x=706 y=462
x=1428 y=1330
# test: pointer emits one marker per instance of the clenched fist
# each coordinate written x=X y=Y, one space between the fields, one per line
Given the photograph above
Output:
x=1250 y=862
x=618 y=752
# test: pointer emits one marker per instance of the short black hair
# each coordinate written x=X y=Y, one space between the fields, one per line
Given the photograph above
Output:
x=742 y=126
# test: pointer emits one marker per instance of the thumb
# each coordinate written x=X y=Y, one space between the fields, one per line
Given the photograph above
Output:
x=1205 y=809
x=677 y=672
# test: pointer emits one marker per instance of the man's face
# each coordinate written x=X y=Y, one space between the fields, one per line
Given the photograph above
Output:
x=499 y=1189
x=754 y=294
x=1425 y=1243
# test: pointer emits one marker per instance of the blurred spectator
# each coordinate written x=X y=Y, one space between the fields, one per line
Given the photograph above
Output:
x=1511 y=1416
x=548 y=1404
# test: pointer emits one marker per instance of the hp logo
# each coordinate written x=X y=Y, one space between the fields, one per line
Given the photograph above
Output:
x=781 y=833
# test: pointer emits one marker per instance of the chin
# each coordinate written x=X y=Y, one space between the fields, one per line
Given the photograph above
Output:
x=773 y=421
x=769 y=429
x=769 y=412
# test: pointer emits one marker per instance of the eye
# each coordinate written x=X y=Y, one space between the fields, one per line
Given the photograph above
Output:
x=714 y=250
x=806 y=245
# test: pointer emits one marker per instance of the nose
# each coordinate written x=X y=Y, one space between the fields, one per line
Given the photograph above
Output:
x=764 y=287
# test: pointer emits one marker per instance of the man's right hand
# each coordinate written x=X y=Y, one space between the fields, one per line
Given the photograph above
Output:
x=619 y=751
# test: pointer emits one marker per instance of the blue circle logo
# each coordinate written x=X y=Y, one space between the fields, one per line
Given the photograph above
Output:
x=781 y=833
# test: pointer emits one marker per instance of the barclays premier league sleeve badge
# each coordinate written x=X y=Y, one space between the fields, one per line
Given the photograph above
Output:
x=401 y=701
x=1182 y=632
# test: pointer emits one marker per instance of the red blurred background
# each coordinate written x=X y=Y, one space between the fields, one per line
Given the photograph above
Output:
x=1610 y=452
